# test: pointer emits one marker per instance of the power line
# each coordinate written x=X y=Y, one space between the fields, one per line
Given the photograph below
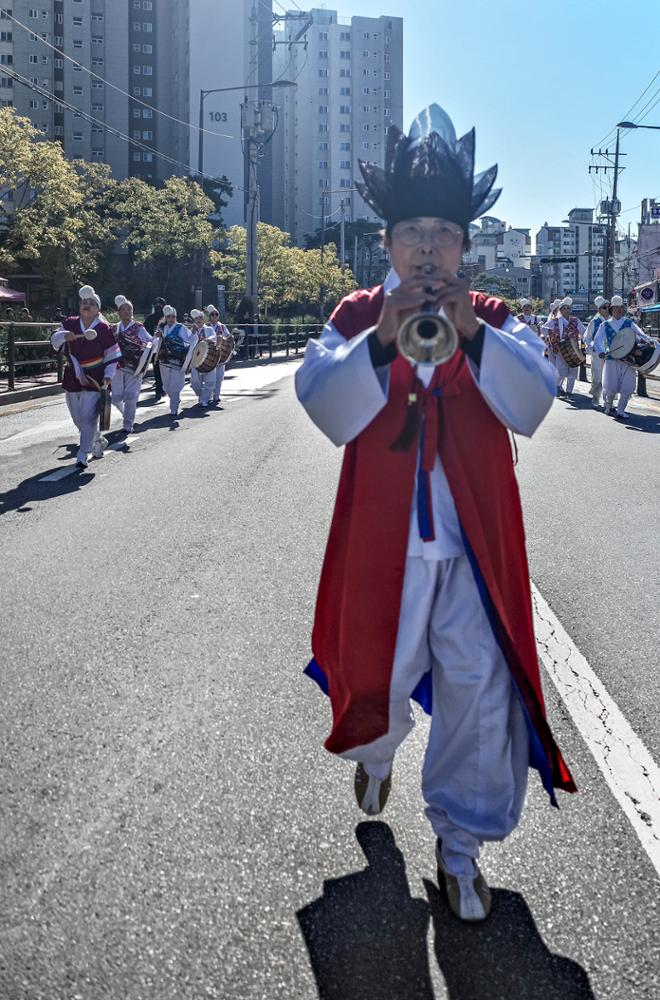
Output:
x=95 y=121
x=628 y=112
x=61 y=54
x=657 y=101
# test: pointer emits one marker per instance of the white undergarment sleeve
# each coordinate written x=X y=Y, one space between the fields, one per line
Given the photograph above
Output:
x=338 y=385
x=514 y=378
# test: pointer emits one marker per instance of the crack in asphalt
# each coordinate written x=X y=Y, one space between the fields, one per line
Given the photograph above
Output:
x=588 y=694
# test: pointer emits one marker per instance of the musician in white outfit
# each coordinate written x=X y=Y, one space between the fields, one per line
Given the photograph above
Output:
x=528 y=317
x=203 y=383
x=220 y=331
x=603 y=313
x=618 y=376
x=563 y=327
x=126 y=384
x=176 y=340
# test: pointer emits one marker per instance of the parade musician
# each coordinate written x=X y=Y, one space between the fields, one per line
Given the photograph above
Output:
x=425 y=590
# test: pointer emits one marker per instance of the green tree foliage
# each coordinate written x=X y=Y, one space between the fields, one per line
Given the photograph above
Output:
x=164 y=229
x=492 y=284
x=289 y=278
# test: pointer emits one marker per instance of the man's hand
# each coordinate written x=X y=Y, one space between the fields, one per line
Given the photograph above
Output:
x=455 y=297
x=68 y=336
x=403 y=301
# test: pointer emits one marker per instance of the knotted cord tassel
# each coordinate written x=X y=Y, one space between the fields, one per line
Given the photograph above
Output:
x=410 y=428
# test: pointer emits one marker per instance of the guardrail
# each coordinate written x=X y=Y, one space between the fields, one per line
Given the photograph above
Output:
x=11 y=348
x=273 y=337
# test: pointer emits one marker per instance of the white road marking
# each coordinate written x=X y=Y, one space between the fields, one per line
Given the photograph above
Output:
x=55 y=477
x=626 y=764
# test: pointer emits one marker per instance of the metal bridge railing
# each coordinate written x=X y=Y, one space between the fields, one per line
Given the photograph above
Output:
x=12 y=350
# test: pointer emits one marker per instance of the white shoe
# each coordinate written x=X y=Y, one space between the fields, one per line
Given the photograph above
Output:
x=98 y=447
x=468 y=896
x=371 y=793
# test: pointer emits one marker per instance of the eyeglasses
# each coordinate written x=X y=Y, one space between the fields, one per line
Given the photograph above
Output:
x=412 y=234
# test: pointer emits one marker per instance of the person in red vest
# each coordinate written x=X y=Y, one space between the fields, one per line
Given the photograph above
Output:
x=425 y=591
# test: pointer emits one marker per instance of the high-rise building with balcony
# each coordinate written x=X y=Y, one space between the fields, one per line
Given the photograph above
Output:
x=349 y=89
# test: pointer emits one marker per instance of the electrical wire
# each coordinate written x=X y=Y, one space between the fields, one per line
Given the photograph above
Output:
x=63 y=55
x=629 y=111
x=657 y=101
x=37 y=89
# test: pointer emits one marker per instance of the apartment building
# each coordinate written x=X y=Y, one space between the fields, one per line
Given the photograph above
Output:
x=349 y=89
x=577 y=265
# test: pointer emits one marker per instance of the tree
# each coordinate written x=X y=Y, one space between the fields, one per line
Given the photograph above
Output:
x=218 y=189
x=165 y=229
x=47 y=195
x=289 y=278
x=493 y=284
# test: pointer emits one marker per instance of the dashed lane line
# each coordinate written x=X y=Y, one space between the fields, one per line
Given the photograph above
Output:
x=626 y=764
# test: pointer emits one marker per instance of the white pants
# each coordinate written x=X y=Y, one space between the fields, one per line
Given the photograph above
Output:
x=173 y=382
x=618 y=378
x=125 y=394
x=84 y=409
x=219 y=375
x=203 y=384
x=596 y=377
x=564 y=373
x=474 y=777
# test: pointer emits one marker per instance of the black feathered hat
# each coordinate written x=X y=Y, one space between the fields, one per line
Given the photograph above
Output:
x=428 y=172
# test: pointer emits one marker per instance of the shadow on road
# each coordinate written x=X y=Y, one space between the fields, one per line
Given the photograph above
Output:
x=366 y=935
x=20 y=497
x=506 y=957
x=367 y=940
x=646 y=424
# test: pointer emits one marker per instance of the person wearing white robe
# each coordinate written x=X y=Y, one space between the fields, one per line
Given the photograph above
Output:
x=558 y=329
x=126 y=384
x=220 y=332
x=603 y=313
x=202 y=383
x=619 y=378
x=442 y=622
x=174 y=378
x=528 y=317
x=83 y=404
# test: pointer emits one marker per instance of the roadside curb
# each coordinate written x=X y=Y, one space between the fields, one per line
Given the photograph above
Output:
x=35 y=392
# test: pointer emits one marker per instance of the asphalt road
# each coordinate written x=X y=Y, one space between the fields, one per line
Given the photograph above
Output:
x=171 y=826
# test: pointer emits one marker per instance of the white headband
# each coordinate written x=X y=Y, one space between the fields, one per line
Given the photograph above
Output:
x=616 y=300
x=169 y=311
x=196 y=314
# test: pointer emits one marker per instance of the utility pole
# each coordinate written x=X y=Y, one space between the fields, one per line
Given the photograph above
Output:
x=615 y=208
x=322 y=288
x=611 y=207
x=342 y=238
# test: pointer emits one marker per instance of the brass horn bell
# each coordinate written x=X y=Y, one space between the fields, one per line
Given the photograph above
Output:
x=427 y=339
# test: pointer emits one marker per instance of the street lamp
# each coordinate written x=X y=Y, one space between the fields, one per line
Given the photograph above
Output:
x=635 y=125
x=203 y=94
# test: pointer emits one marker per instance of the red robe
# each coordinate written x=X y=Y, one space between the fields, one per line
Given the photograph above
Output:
x=359 y=597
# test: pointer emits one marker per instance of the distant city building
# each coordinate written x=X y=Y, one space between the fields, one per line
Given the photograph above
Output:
x=120 y=55
x=493 y=245
x=648 y=241
x=349 y=89
x=572 y=259
x=215 y=52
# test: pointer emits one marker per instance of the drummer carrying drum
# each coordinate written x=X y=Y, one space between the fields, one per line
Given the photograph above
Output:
x=563 y=334
x=626 y=350
x=136 y=351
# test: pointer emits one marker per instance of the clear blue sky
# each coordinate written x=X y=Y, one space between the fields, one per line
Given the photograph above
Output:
x=543 y=81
